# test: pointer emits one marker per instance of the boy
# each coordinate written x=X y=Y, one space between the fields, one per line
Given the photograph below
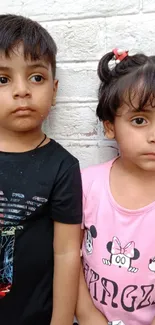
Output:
x=40 y=186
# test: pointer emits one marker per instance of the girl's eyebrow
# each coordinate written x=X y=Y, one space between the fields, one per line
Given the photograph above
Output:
x=136 y=111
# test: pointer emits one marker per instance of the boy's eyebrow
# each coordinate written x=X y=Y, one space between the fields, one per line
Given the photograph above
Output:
x=38 y=65
x=29 y=65
x=5 y=68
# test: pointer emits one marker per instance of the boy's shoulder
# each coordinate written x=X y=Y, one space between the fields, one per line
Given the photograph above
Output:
x=56 y=153
x=55 y=162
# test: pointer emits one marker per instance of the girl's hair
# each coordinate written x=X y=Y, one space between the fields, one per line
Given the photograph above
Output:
x=37 y=42
x=132 y=81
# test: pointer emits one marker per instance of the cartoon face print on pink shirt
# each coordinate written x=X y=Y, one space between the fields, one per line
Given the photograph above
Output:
x=90 y=234
x=152 y=264
x=122 y=256
x=116 y=322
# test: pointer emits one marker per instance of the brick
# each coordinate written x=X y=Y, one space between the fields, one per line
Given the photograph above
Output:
x=78 y=40
x=124 y=33
x=148 y=5
x=61 y=9
x=11 y=6
x=76 y=121
x=77 y=82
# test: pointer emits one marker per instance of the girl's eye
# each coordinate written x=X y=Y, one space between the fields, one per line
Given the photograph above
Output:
x=4 y=80
x=37 y=78
x=139 y=121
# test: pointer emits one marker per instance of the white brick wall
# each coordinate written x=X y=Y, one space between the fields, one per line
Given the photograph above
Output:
x=84 y=30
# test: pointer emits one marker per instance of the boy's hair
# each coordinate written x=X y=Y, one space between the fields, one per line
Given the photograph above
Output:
x=132 y=81
x=36 y=41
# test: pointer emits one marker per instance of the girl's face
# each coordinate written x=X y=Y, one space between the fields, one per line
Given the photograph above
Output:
x=135 y=133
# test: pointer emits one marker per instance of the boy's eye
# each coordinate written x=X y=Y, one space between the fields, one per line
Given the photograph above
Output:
x=139 y=121
x=3 y=80
x=37 y=78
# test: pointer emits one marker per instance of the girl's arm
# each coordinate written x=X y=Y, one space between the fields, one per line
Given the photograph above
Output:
x=66 y=272
x=86 y=312
x=153 y=322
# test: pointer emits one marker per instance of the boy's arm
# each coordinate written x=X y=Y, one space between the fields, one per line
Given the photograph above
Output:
x=66 y=212
x=66 y=272
x=86 y=312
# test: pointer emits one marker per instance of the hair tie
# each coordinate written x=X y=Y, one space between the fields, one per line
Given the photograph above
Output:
x=120 y=55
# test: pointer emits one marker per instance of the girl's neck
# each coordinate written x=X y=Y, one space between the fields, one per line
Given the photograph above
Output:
x=20 y=141
x=131 y=187
x=135 y=172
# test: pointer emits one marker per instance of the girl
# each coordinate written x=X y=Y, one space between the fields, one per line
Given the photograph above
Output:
x=119 y=199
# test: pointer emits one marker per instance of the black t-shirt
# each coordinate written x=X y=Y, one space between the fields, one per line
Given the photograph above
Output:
x=36 y=188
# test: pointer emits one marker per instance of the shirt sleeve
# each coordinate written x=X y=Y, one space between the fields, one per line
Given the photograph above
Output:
x=66 y=197
x=87 y=179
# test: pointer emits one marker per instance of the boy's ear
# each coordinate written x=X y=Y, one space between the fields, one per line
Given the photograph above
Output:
x=109 y=130
x=55 y=88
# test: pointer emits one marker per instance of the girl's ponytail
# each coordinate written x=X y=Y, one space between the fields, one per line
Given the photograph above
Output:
x=104 y=71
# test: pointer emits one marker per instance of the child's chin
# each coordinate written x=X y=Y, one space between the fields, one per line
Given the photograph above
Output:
x=25 y=126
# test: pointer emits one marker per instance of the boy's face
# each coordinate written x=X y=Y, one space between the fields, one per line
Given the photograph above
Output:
x=27 y=91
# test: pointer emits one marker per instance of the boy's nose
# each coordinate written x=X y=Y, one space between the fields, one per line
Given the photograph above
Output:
x=21 y=90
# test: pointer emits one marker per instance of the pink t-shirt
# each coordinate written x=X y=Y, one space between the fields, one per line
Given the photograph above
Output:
x=118 y=252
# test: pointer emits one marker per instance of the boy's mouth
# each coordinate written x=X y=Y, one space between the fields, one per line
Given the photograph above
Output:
x=23 y=110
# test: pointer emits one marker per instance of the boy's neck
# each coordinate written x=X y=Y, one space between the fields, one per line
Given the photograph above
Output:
x=20 y=141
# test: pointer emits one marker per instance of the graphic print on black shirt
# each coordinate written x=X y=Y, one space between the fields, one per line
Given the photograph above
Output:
x=12 y=210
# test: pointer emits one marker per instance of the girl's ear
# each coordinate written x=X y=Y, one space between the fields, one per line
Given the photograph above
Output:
x=109 y=130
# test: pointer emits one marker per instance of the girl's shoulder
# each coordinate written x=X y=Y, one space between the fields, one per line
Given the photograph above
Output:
x=96 y=171
x=95 y=174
